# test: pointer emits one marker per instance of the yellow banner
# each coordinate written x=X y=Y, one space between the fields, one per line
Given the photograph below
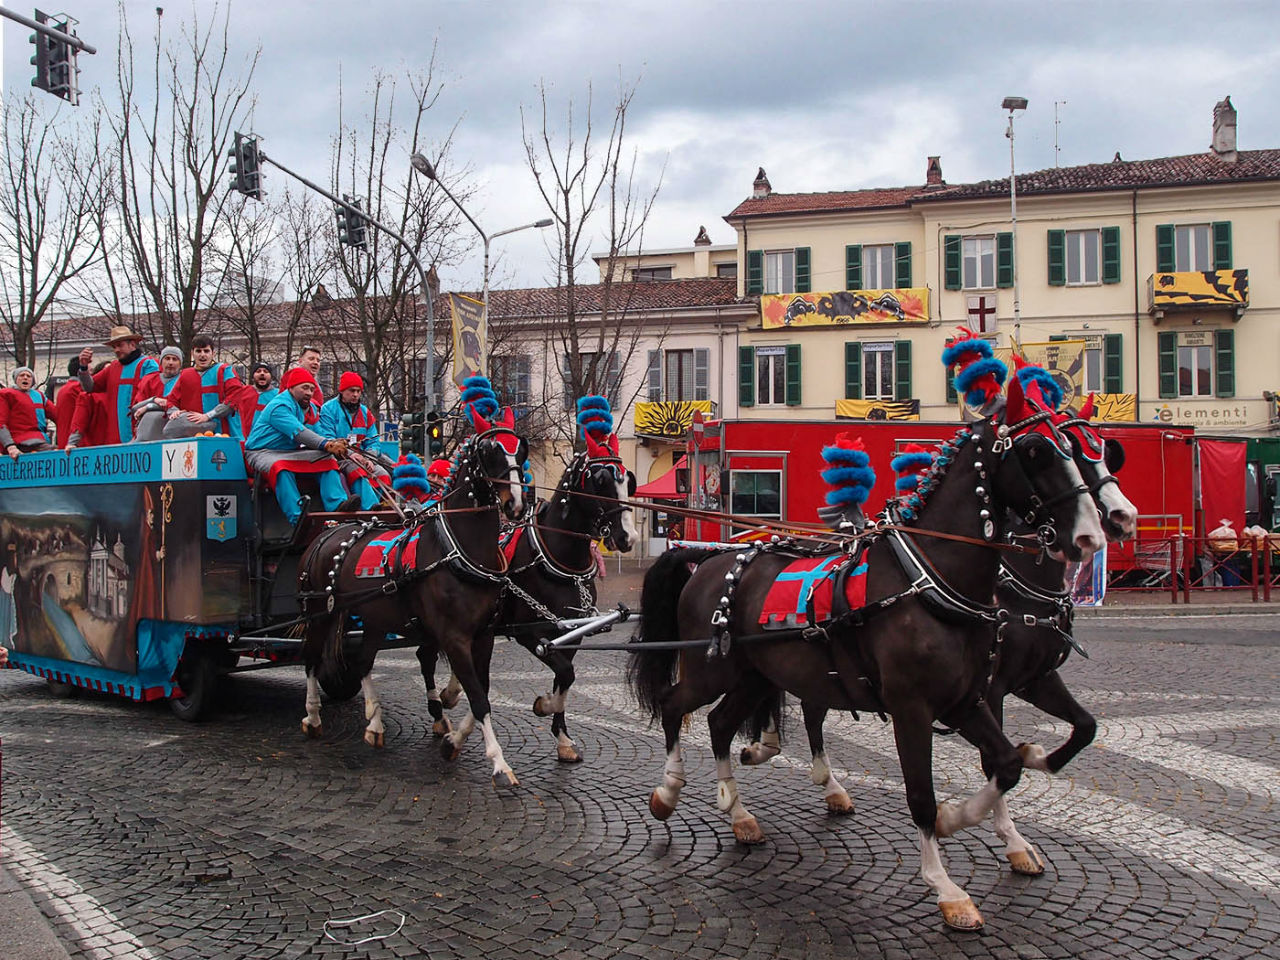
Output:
x=844 y=307
x=1195 y=288
x=1115 y=407
x=668 y=418
x=1064 y=359
x=877 y=409
x=470 y=350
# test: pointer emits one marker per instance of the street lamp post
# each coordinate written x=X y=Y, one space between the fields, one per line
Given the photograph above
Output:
x=425 y=167
x=1012 y=104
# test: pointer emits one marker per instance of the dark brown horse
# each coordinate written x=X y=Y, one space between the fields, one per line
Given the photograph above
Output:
x=552 y=577
x=438 y=578
x=1029 y=586
x=922 y=650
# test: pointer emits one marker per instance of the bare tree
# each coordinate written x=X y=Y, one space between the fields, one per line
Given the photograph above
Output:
x=583 y=180
x=172 y=132
x=53 y=181
x=244 y=260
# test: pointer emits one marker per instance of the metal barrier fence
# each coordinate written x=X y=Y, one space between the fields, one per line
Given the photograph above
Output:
x=1180 y=565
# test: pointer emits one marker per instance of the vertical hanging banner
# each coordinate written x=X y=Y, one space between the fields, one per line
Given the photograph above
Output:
x=469 y=337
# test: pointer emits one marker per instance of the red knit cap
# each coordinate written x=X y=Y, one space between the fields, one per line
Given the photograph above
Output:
x=350 y=379
x=438 y=468
x=296 y=376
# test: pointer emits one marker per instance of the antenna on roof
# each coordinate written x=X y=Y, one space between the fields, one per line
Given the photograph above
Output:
x=1057 y=151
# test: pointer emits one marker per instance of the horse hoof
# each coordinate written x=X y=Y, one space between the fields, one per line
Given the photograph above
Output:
x=375 y=740
x=961 y=914
x=539 y=707
x=442 y=727
x=748 y=831
x=449 y=750
x=568 y=753
x=659 y=807
x=1033 y=756
x=839 y=804
x=1026 y=862
x=311 y=732
x=503 y=779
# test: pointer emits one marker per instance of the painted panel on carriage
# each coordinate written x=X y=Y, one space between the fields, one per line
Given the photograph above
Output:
x=668 y=418
x=220 y=517
x=205 y=458
x=877 y=409
x=844 y=308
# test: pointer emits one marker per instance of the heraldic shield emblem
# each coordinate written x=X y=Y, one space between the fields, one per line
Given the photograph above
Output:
x=220 y=517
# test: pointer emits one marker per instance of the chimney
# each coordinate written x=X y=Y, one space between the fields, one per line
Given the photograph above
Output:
x=1224 y=131
x=702 y=240
x=761 y=187
x=933 y=174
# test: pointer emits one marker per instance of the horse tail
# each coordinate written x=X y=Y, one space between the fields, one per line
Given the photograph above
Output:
x=770 y=708
x=651 y=672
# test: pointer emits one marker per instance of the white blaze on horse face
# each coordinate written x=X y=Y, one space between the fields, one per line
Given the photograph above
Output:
x=516 y=487
x=1088 y=529
x=626 y=519
x=1119 y=511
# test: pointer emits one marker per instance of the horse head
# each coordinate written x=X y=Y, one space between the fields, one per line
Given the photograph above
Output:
x=600 y=474
x=499 y=456
x=1036 y=476
x=1099 y=460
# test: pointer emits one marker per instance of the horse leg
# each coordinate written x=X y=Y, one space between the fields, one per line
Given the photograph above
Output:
x=723 y=721
x=471 y=666
x=451 y=692
x=427 y=654
x=679 y=699
x=765 y=742
x=1021 y=855
x=913 y=734
x=374 y=733
x=1000 y=757
x=311 y=725
x=315 y=639
x=552 y=704
x=1051 y=695
x=834 y=792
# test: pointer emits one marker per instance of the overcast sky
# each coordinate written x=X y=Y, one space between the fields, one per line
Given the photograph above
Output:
x=823 y=95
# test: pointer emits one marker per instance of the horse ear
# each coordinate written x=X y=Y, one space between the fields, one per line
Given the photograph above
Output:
x=480 y=423
x=613 y=444
x=595 y=449
x=1086 y=412
x=508 y=419
x=1015 y=405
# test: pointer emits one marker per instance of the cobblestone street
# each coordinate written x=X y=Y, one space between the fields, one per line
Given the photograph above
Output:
x=140 y=836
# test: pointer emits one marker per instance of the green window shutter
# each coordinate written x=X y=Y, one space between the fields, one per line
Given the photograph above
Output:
x=1167 y=350
x=1222 y=245
x=902 y=370
x=902 y=265
x=746 y=376
x=853 y=371
x=1057 y=258
x=1004 y=259
x=1112 y=364
x=1224 y=354
x=1164 y=252
x=793 y=374
x=803 y=284
x=755 y=272
x=1110 y=254
x=952 y=396
x=853 y=266
x=951 y=260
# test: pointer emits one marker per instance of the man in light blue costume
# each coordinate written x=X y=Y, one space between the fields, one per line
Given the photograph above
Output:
x=345 y=416
x=281 y=445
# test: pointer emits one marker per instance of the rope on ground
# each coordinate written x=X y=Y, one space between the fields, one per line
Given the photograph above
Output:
x=354 y=920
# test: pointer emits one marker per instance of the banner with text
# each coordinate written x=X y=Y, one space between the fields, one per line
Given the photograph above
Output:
x=469 y=337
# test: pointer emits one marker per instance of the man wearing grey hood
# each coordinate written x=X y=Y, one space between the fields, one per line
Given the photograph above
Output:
x=164 y=394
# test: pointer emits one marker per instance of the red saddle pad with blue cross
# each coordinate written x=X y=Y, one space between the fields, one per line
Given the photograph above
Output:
x=802 y=594
x=388 y=553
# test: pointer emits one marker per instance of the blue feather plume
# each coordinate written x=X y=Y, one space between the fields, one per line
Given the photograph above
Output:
x=478 y=392
x=1050 y=389
x=594 y=415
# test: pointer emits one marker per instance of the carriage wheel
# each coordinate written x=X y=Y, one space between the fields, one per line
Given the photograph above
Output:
x=61 y=690
x=197 y=675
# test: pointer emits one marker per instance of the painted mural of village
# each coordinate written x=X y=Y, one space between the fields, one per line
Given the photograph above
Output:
x=66 y=589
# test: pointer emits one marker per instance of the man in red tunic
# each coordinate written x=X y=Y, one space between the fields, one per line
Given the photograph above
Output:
x=163 y=396
x=257 y=395
x=19 y=429
x=118 y=381
x=77 y=412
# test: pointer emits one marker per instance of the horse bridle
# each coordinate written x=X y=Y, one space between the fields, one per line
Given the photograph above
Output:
x=1070 y=426
x=496 y=434
x=1039 y=513
x=602 y=524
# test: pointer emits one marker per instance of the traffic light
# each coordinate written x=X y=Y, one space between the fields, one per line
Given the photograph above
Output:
x=55 y=61
x=351 y=225
x=411 y=433
x=246 y=166
x=435 y=433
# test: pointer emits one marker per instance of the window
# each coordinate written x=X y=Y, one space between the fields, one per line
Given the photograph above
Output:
x=979 y=262
x=878 y=267
x=1083 y=257
x=651 y=273
x=1093 y=370
x=771 y=375
x=877 y=371
x=756 y=493
x=780 y=271
x=684 y=372
x=1193 y=250
x=727 y=270
x=595 y=378
x=1195 y=377
x=511 y=379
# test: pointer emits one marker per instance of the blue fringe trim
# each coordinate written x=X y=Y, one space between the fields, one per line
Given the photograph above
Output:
x=1049 y=387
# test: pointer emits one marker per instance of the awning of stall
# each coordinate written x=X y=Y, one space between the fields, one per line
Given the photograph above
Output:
x=664 y=488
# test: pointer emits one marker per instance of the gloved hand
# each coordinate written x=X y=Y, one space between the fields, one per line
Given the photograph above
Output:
x=336 y=447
